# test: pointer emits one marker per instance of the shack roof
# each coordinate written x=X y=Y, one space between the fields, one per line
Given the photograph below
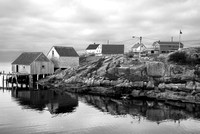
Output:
x=66 y=51
x=137 y=45
x=168 y=43
x=26 y=58
x=112 y=49
x=92 y=46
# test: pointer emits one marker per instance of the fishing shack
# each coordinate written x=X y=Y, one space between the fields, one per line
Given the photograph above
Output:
x=32 y=64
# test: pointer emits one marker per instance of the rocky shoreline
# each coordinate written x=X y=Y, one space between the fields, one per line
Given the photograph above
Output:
x=117 y=76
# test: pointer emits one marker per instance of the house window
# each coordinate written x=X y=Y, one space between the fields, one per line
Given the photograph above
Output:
x=43 y=67
x=52 y=53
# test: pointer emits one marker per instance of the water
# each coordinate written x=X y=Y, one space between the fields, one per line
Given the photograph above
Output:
x=48 y=112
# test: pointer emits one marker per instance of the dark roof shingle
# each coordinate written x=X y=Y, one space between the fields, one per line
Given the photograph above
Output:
x=169 y=43
x=27 y=58
x=137 y=45
x=66 y=51
x=92 y=46
x=112 y=49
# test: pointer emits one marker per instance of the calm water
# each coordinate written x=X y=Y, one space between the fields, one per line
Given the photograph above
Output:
x=47 y=111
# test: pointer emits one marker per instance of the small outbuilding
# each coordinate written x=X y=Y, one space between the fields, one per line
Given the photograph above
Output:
x=32 y=63
x=93 y=49
x=63 y=57
x=112 y=49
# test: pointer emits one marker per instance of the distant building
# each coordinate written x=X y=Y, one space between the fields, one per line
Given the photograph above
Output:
x=112 y=49
x=166 y=47
x=93 y=49
x=138 y=48
x=63 y=57
x=32 y=63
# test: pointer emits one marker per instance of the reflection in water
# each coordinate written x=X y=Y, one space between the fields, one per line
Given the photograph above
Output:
x=150 y=110
x=56 y=103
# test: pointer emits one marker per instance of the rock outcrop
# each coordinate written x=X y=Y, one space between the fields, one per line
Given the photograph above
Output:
x=117 y=75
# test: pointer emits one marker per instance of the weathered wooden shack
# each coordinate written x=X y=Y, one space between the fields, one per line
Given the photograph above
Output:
x=34 y=63
x=63 y=57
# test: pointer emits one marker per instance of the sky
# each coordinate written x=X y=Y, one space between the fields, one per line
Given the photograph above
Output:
x=37 y=25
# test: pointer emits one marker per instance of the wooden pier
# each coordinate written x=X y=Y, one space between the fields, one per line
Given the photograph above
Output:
x=10 y=80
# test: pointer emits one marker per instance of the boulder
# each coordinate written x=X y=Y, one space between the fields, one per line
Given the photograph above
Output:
x=155 y=69
x=138 y=84
x=190 y=85
x=150 y=84
x=123 y=71
x=197 y=86
x=135 y=93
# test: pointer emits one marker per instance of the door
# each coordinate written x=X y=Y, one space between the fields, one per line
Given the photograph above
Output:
x=17 y=68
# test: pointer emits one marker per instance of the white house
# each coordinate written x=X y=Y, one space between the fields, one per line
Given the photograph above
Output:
x=139 y=47
x=63 y=57
x=94 y=49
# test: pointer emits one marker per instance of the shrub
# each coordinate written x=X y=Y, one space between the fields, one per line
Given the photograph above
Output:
x=179 y=57
x=184 y=58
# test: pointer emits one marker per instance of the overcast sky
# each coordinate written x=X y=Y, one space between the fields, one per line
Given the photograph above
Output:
x=36 y=25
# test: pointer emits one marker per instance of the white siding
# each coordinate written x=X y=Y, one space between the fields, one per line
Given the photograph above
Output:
x=56 y=55
x=138 y=49
x=93 y=51
x=69 y=62
x=98 y=50
x=21 y=69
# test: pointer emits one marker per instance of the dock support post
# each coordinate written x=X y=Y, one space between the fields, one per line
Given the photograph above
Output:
x=30 y=81
x=3 y=80
x=37 y=77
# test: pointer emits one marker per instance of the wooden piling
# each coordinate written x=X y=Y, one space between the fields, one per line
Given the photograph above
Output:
x=3 y=80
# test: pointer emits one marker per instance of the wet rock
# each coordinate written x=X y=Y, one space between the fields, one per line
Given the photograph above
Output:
x=155 y=69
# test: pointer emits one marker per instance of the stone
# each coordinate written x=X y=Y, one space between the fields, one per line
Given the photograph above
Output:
x=138 y=84
x=197 y=84
x=155 y=69
x=190 y=85
x=150 y=84
x=135 y=93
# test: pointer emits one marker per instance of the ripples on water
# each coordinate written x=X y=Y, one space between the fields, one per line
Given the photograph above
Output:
x=46 y=111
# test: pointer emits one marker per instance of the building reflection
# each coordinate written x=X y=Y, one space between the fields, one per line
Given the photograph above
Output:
x=151 y=110
x=56 y=103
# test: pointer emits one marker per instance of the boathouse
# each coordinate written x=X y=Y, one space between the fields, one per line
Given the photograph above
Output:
x=63 y=57
x=32 y=63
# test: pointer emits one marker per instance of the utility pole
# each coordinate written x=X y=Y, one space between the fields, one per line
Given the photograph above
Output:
x=179 y=44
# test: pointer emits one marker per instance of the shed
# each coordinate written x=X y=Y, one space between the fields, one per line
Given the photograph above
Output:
x=112 y=49
x=63 y=57
x=32 y=63
x=167 y=47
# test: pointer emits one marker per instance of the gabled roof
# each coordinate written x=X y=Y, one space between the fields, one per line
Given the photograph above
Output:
x=112 y=49
x=92 y=46
x=137 y=45
x=168 y=43
x=66 y=51
x=27 y=58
